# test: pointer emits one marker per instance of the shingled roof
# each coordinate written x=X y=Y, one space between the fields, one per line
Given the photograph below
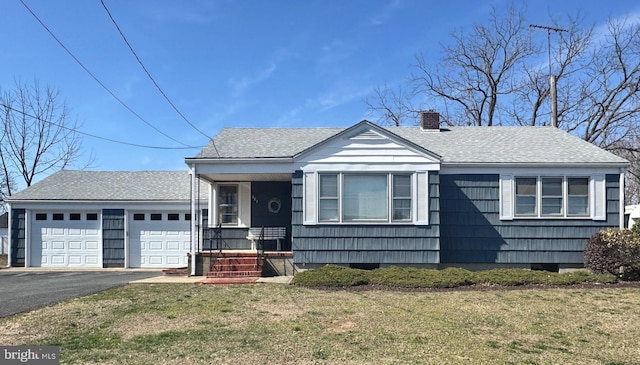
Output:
x=110 y=186
x=456 y=145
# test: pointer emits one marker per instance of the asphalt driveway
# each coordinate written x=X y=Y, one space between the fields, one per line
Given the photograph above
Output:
x=22 y=291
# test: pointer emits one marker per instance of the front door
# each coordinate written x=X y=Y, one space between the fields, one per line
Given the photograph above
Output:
x=271 y=207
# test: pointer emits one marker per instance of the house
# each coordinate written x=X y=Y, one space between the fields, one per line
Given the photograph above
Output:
x=631 y=215
x=4 y=233
x=368 y=196
x=364 y=196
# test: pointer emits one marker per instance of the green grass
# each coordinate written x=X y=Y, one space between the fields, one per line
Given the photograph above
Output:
x=337 y=276
x=263 y=324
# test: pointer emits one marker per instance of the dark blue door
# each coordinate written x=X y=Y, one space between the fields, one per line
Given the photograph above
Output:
x=271 y=207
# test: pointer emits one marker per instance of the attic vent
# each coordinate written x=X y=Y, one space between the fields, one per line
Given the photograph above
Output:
x=367 y=135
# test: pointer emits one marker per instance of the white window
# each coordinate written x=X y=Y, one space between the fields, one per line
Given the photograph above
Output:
x=371 y=197
x=402 y=198
x=578 y=196
x=551 y=201
x=328 y=204
x=526 y=196
x=228 y=204
x=365 y=198
x=553 y=197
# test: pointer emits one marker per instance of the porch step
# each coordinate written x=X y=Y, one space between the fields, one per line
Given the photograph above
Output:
x=237 y=260
x=218 y=266
x=228 y=281
x=234 y=274
x=236 y=266
x=183 y=271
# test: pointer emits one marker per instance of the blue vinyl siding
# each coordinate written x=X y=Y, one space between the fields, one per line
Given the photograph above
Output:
x=18 y=235
x=472 y=231
x=113 y=237
x=384 y=244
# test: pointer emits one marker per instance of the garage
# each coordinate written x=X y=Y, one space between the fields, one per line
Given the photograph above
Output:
x=159 y=239
x=65 y=239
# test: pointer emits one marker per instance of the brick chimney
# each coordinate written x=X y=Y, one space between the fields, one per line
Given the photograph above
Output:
x=430 y=120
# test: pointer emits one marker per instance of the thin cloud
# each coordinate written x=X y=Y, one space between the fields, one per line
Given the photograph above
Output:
x=241 y=84
x=601 y=31
x=385 y=14
x=334 y=52
x=321 y=103
x=201 y=12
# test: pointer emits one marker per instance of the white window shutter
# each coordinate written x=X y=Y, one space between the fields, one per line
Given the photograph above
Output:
x=506 y=197
x=422 y=197
x=309 y=198
x=244 y=201
x=599 y=199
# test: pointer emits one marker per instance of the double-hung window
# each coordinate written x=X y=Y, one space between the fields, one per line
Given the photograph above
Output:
x=228 y=204
x=578 y=196
x=328 y=205
x=553 y=196
x=401 y=198
x=526 y=196
x=365 y=197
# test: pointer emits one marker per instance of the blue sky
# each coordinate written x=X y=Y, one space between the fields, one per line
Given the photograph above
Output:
x=233 y=63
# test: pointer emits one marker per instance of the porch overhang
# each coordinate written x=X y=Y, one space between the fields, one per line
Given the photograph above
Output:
x=243 y=169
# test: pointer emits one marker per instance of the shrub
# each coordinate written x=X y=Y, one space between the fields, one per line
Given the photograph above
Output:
x=421 y=278
x=336 y=276
x=332 y=275
x=510 y=277
x=616 y=252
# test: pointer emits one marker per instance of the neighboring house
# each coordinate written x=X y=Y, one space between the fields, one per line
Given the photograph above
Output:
x=364 y=196
x=631 y=215
x=102 y=219
x=4 y=233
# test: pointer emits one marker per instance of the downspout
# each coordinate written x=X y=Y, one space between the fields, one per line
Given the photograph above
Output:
x=621 y=208
x=27 y=238
x=127 y=258
x=194 y=217
x=9 y=226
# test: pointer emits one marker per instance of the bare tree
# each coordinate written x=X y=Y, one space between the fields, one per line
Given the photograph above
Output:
x=479 y=68
x=498 y=74
x=530 y=102
x=607 y=102
x=393 y=107
x=37 y=136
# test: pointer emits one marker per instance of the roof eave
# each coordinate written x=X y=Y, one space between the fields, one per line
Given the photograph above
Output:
x=238 y=160
x=92 y=201
x=537 y=164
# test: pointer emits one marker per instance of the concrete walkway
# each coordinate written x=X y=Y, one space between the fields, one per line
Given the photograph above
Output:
x=203 y=280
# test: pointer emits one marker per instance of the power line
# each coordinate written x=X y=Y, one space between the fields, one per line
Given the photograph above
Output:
x=96 y=79
x=151 y=77
x=93 y=135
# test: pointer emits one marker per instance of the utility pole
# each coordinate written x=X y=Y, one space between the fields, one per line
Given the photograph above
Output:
x=552 y=78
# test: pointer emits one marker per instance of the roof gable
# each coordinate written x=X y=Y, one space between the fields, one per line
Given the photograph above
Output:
x=366 y=134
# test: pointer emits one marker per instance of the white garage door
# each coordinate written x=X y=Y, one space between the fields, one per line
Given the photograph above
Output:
x=65 y=240
x=159 y=240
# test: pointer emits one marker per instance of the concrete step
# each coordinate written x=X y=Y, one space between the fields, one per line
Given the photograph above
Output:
x=183 y=271
x=237 y=260
x=234 y=274
x=228 y=281
x=235 y=267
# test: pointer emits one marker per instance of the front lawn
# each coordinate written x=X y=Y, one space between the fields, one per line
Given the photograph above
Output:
x=278 y=324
